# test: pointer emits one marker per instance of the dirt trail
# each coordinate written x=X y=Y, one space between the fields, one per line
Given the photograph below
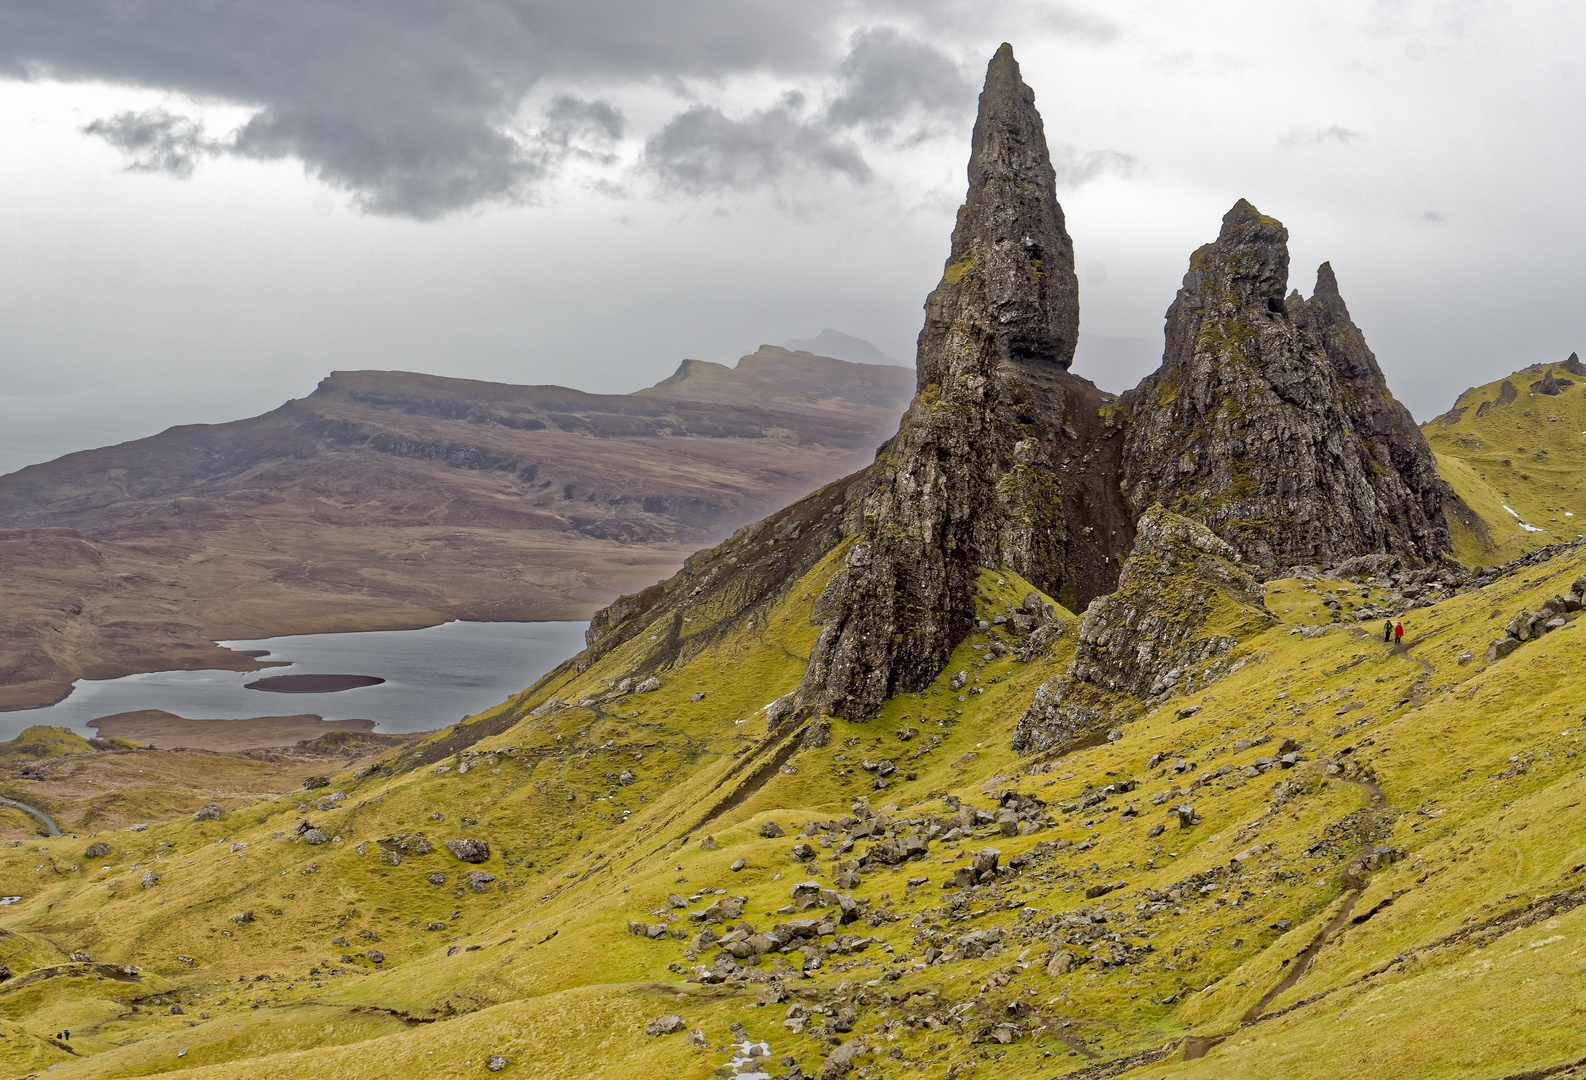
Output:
x=1196 y=1046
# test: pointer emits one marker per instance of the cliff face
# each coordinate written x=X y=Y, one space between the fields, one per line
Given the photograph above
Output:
x=1003 y=459
x=1410 y=493
x=1275 y=427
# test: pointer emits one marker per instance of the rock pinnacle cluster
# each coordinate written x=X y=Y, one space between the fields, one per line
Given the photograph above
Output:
x=1268 y=428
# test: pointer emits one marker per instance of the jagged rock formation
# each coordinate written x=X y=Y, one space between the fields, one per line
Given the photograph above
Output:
x=1004 y=459
x=1407 y=483
x=1266 y=433
x=1182 y=603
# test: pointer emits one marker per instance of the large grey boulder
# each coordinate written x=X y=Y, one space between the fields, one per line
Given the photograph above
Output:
x=468 y=849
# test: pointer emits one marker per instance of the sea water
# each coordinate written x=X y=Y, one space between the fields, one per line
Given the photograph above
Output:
x=433 y=677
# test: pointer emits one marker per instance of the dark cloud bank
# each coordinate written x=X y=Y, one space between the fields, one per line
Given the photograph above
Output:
x=420 y=109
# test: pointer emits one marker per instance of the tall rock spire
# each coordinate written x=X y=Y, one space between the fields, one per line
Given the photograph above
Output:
x=1262 y=422
x=1003 y=460
x=1011 y=254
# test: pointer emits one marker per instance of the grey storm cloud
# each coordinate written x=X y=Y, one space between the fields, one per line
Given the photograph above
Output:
x=156 y=140
x=1337 y=134
x=418 y=109
x=886 y=78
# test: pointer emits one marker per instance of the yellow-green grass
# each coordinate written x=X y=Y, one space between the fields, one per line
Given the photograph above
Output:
x=558 y=984
x=1524 y=454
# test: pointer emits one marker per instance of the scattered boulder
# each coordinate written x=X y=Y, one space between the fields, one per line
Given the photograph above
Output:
x=627 y=777
x=648 y=686
x=207 y=813
x=312 y=782
x=724 y=909
x=1060 y=964
x=315 y=836
x=151 y=878
x=497 y=1062
x=437 y=879
x=665 y=1025
x=737 y=865
x=374 y=956
x=771 y=830
x=244 y=919
x=97 y=850
x=468 y=849
x=478 y=880
x=708 y=844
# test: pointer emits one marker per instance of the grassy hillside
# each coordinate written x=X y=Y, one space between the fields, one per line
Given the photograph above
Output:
x=1511 y=451
x=1421 y=860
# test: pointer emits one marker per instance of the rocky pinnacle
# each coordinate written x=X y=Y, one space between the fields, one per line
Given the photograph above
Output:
x=1275 y=428
x=1003 y=460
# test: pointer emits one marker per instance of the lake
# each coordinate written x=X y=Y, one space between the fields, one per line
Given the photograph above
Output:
x=433 y=677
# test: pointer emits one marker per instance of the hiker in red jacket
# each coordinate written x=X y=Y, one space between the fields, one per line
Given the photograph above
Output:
x=1398 y=633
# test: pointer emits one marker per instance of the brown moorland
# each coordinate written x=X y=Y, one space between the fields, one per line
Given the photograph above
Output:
x=390 y=500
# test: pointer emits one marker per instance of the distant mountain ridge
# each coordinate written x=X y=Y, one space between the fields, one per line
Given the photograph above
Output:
x=391 y=499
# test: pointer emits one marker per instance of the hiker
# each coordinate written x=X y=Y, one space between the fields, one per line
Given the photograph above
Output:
x=1398 y=633
x=1387 y=631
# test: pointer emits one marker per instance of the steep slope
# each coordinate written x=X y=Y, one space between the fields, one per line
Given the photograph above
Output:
x=1275 y=427
x=1511 y=450
x=387 y=500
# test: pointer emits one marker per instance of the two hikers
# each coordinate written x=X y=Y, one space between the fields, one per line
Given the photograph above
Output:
x=1393 y=630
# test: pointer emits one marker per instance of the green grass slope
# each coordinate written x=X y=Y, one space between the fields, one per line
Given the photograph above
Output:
x=1513 y=454
x=1401 y=898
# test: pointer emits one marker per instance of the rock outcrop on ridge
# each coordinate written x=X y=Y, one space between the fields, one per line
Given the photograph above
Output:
x=1003 y=459
x=1275 y=427
x=1182 y=603
x=1407 y=484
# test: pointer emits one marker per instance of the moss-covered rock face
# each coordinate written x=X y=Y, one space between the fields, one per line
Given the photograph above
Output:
x=1182 y=606
x=1274 y=426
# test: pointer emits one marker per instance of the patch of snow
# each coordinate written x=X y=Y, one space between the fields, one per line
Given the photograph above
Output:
x=1523 y=525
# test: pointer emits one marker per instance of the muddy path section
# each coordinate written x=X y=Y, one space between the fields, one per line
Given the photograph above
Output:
x=1354 y=882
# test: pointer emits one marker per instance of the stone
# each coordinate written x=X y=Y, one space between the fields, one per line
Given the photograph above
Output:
x=468 y=849
x=674 y=900
x=497 y=1062
x=708 y=844
x=478 y=880
x=1060 y=964
x=244 y=919
x=1502 y=648
x=627 y=777
x=1185 y=814
x=1155 y=830
x=737 y=865
x=437 y=879
x=1008 y=823
x=803 y=852
x=151 y=878
x=771 y=830
x=724 y=909
x=316 y=837
x=773 y=993
x=665 y=1025
x=648 y=686
x=312 y=782
x=806 y=894
x=207 y=813
x=841 y=1060
x=374 y=956
x=97 y=850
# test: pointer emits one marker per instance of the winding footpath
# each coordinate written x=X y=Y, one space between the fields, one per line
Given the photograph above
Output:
x=41 y=815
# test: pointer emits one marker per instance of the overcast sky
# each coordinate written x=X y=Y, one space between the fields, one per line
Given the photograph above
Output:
x=211 y=204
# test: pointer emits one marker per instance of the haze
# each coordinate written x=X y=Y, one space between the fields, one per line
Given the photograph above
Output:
x=210 y=207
